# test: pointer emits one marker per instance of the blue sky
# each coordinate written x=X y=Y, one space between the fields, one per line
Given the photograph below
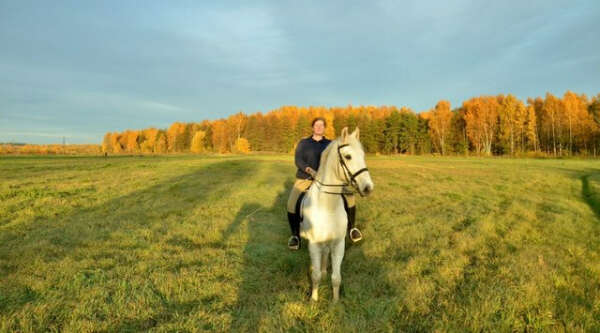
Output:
x=79 y=69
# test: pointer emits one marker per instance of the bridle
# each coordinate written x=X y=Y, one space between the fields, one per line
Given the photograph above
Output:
x=350 y=177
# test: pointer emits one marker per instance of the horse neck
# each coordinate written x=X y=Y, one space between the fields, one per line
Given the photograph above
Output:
x=328 y=173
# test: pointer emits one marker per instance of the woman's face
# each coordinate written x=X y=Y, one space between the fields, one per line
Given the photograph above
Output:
x=319 y=127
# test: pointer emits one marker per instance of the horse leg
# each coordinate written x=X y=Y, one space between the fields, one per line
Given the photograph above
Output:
x=337 y=255
x=315 y=267
x=324 y=260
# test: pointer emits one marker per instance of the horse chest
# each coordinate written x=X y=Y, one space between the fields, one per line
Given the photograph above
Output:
x=321 y=225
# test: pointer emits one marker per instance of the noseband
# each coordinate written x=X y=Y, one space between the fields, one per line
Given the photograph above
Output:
x=350 y=177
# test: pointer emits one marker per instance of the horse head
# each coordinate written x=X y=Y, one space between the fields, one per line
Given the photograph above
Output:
x=352 y=161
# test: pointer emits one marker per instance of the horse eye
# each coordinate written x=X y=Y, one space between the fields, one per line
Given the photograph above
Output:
x=348 y=157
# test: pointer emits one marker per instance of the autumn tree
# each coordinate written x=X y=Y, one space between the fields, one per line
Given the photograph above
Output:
x=552 y=112
x=531 y=129
x=538 y=104
x=241 y=146
x=149 y=135
x=106 y=143
x=481 y=117
x=219 y=136
x=486 y=124
x=330 y=129
x=161 y=146
x=439 y=125
x=176 y=137
x=197 y=145
x=287 y=133
x=131 y=141
x=115 y=142
x=580 y=122
x=512 y=118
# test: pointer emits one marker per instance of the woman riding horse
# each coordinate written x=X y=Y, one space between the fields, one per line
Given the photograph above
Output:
x=307 y=157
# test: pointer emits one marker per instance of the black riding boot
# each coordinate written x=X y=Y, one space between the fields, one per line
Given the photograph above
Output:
x=294 y=241
x=355 y=234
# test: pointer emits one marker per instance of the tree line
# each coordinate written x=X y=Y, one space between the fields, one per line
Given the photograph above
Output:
x=484 y=125
x=49 y=149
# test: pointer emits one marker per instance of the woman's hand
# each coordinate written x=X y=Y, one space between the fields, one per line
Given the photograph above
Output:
x=311 y=172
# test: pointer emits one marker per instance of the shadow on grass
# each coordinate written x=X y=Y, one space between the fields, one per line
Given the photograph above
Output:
x=117 y=230
x=266 y=264
x=275 y=281
x=590 y=198
x=123 y=231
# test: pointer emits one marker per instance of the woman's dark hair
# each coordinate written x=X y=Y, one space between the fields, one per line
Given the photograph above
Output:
x=317 y=119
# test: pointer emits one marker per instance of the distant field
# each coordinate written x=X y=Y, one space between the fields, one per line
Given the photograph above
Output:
x=188 y=243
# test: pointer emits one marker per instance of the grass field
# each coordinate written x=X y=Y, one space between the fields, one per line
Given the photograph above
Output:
x=188 y=243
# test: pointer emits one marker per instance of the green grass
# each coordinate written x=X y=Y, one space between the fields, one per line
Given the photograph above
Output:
x=187 y=243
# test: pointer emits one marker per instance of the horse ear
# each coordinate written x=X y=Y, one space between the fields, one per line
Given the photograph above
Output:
x=344 y=134
x=356 y=132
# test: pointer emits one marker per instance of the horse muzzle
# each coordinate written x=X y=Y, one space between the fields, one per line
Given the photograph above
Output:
x=366 y=189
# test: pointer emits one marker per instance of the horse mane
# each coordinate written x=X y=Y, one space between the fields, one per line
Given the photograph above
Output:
x=335 y=142
x=328 y=149
x=325 y=153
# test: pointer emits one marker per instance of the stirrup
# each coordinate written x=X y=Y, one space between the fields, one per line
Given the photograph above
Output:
x=294 y=246
x=355 y=239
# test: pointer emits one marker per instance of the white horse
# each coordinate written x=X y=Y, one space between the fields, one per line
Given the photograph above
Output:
x=342 y=167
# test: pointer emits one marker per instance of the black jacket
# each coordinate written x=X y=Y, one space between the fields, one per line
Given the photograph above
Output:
x=308 y=153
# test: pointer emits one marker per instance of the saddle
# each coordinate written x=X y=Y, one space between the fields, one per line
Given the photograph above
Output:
x=298 y=211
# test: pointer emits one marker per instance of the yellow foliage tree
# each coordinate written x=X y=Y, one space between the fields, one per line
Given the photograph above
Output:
x=219 y=136
x=531 y=127
x=511 y=112
x=579 y=121
x=329 y=130
x=552 y=114
x=242 y=146
x=197 y=145
x=439 y=125
x=131 y=141
x=149 y=140
x=115 y=143
x=106 y=145
x=160 y=145
x=481 y=119
x=176 y=137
